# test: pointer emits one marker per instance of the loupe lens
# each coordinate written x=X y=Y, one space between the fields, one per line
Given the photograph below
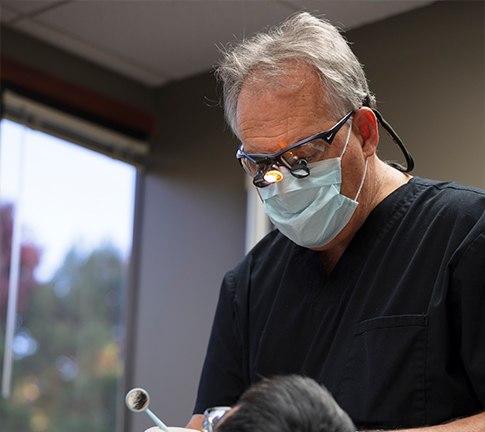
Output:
x=250 y=167
x=300 y=169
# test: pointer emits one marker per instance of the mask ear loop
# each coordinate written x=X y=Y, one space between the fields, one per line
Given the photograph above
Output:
x=362 y=181
x=366 y=160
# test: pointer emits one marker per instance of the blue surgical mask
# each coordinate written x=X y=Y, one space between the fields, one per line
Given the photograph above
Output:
x=311 y=211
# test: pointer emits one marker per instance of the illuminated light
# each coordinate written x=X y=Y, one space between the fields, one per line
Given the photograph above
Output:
x=39 y=422
x=31 y=391
x=273 y=176
x=108 y=361
x=27 y=391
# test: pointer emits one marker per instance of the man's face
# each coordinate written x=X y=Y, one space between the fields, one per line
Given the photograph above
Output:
x=274 y=115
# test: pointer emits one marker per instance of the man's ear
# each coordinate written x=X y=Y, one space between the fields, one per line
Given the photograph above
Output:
x=365 y=124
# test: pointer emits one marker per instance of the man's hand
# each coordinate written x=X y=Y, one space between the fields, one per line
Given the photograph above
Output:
x=196 y=422
x=474 y=423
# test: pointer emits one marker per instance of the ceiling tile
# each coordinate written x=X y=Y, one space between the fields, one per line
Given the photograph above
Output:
x=6 y=15
x=174 y=38
x=353 y=13
x=157 y=41
x=29 y=6
x=91 y=53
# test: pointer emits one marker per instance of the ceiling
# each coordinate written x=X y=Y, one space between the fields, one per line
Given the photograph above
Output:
x=157 y=41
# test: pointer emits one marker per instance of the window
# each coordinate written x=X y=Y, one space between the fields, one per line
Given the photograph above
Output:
x=66 y=223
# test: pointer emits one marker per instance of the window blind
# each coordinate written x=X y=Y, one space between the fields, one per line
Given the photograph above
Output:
x=38 y=116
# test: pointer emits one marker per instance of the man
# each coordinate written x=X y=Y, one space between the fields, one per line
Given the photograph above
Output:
x=286 y=404
x=373 y=283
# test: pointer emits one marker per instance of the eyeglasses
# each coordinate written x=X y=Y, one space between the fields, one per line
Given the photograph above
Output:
x=212 y=416
x=264 y=168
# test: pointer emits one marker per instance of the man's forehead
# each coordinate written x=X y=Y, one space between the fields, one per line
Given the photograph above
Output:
x=287 y=100
x=286 y=77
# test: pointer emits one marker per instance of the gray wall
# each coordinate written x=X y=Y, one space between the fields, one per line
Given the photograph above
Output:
x=427 y=69
x=192 y=232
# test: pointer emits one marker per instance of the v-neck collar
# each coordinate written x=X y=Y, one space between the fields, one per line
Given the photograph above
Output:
x=380 y=220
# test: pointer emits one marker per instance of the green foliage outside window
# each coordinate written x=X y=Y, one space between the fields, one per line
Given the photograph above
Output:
x=69 y=334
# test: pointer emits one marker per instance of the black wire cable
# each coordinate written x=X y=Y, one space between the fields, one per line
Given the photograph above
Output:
x=395 y=137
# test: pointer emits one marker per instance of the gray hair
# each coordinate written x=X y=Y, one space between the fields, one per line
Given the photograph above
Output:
x=302 y=37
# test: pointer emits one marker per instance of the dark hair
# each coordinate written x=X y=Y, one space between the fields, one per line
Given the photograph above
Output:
x=290 y=403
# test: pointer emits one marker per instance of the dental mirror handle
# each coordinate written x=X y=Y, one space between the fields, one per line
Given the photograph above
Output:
x=157 y=421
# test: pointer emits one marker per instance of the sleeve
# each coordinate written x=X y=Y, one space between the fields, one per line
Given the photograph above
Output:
x=469 y=291
x=222 y=380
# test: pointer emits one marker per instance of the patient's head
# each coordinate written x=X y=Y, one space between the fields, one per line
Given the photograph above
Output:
x=289 y=403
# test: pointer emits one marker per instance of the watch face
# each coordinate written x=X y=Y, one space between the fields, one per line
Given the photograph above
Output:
x=212 y=416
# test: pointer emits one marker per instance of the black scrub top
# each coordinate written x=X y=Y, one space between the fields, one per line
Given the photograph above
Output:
x=396 y=331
